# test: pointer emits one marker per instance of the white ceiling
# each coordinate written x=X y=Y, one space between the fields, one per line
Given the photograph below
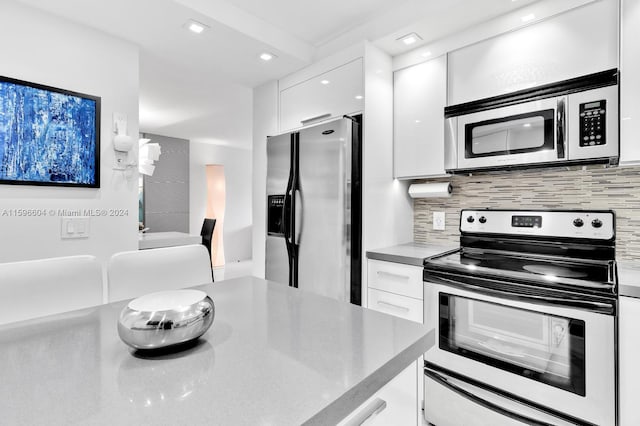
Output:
x=198 y=86
x=317 y=21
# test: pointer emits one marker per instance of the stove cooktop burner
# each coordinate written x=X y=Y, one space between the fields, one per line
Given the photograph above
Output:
x=555 y=270
x=521 y=265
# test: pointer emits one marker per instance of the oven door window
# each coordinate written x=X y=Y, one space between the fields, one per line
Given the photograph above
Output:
x=516 y=134
x=542 y=347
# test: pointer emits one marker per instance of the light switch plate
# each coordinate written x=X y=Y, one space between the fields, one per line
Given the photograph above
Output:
x=74 y=227
x=438 y=221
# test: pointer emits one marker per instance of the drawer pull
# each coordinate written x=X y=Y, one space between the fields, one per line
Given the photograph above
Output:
x=393 y=276
x=368 y=413
x=391 y=305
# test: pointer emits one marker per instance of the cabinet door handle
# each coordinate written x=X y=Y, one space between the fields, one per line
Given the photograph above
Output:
x=392 y=275
x=391 y=305
x=368 y=413
x=312 y=119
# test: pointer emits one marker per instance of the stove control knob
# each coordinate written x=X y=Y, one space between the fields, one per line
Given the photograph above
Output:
x=578 y=223
x=471 y=219
x=596 y=223
x=482 y=219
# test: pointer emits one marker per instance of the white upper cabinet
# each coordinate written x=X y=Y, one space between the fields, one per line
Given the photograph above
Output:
x=419 y=98
x=331 y=94
x=630 y=83
x=579 y=42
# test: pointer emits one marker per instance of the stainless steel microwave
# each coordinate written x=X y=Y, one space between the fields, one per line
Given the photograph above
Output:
x=570 y=122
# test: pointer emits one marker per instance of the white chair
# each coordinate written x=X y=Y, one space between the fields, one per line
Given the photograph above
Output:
x=42 y=287
x=133 y=273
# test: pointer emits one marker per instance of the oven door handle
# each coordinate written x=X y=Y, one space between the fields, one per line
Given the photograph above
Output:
x=482 y=402
x=600 y=307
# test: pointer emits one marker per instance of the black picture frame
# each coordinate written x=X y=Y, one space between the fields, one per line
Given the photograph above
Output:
x=95 y=164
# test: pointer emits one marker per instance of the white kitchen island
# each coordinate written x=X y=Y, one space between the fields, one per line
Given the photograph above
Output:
x=273 y=356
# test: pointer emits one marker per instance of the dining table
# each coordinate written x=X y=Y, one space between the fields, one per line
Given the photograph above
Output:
x=274 y=355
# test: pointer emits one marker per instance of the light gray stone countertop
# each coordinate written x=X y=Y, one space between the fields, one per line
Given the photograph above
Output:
x=628 y=278
x=273 y=356
x=410 y=253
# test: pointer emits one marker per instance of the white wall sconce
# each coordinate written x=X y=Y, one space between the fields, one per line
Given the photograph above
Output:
x=122 y=143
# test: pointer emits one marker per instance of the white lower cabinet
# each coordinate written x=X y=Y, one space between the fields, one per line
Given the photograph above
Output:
x=397 y=278
x=397 y=289
x=629 y=367
x=394 y=404
x=393 y=304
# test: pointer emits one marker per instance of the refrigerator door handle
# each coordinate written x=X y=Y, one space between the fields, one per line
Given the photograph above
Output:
x=298 y=215
x=286 y=218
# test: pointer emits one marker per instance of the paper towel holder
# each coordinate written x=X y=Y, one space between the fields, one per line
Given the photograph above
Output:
x=431 y=190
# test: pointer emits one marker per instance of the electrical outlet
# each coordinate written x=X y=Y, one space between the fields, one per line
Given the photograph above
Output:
x=438 y=221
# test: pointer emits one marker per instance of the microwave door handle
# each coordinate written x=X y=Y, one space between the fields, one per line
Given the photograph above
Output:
x=561 y=133
x=482 y=402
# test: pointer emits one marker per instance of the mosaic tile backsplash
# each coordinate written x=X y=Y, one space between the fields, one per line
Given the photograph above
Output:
x=592 y=188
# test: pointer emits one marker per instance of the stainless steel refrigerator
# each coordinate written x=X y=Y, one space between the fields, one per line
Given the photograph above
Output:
x=314 y=203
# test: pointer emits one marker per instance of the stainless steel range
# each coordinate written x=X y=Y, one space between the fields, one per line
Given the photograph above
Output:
x=525 y=320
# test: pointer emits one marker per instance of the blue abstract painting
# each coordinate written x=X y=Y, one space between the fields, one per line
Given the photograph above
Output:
x=47 y=136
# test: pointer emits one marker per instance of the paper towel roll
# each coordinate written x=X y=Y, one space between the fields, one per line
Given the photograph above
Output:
x=430 y=190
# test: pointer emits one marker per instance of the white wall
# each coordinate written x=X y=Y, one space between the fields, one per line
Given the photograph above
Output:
x=387 y=209
x=45 y=49
x=237 y=218
x=265 y=123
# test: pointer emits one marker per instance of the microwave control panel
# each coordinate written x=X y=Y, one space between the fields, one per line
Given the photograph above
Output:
x=592 y=123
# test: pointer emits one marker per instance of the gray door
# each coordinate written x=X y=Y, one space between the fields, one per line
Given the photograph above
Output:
x=278 y=167
x=323 y=209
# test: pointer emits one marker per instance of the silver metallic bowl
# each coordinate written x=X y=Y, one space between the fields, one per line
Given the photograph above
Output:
x=166 y=318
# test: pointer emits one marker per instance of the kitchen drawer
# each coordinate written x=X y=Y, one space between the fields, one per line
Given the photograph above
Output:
x=396 y=305
x=395 y=404
x=396 y=278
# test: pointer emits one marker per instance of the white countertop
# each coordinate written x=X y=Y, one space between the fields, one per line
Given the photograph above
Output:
x=628 y=278
x=274 y=355
x=150 y=240
x=409 y=253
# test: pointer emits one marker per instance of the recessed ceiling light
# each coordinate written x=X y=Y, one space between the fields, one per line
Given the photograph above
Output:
x=359 y=97
x=426 y=54
x=529 y=17
x=325 y=82
x=195 y=26
x=266 y=56
x=526 y=125
x=410 y=39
